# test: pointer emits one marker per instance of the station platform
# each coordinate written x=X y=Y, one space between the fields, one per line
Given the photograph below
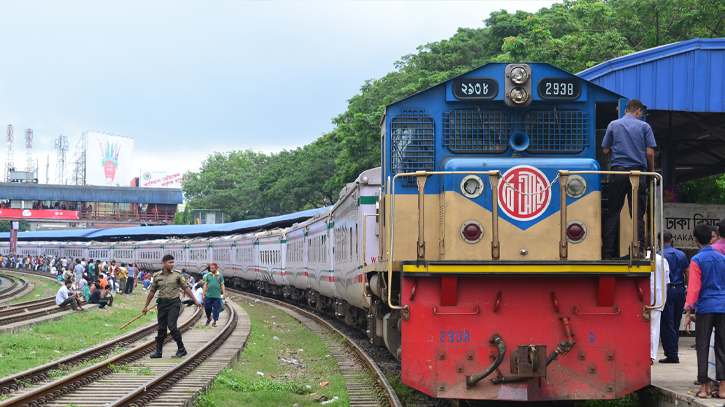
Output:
x=675 y=381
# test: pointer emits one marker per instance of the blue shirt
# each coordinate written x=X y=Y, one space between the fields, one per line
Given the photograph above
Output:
x=712 y=274
x=677 y=260
x=629 y=138
x=131 y=271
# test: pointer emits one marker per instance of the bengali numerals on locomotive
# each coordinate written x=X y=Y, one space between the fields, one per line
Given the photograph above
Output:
x=475 y=88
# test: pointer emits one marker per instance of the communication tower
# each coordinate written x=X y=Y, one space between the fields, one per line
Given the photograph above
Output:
x=9 y=161
x=61 y=146
x=79 y=161
x=29 y=167
x=47 y=170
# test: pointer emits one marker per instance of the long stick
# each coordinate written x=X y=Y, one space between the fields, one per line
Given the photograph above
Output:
x=142 y=314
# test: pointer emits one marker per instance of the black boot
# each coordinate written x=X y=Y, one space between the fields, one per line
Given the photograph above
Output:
x=159 y=349
x=181 y=352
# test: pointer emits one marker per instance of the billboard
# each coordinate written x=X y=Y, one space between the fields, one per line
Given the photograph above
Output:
x=160 y=179
x=38 y=214
x=109 y=159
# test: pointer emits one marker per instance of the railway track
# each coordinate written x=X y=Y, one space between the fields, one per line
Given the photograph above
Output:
x=26 y=310
x=17 y=285
x=126 y=378
x=365 y=383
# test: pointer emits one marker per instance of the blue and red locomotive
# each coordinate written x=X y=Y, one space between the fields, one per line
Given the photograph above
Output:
x=492 y=241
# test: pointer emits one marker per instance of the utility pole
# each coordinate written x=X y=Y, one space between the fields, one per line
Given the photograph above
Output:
x=47 y=170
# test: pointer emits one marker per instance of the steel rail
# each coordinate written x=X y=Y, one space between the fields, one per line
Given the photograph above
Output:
x=13 y=289
x=6 y=289
x=147 y=392
x=26 y=304
x=61 y=387
x=380 y=378
x=20 y=315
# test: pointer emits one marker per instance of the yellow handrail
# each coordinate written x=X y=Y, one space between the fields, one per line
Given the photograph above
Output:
x=421 y=196
x=658 y=222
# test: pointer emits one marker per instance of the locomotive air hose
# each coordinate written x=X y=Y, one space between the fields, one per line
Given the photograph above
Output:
x=472 y=380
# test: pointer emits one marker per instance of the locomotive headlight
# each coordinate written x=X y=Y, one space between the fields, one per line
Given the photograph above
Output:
x=575 y=231
x=519 y=75
x=518 y=95
x=576 y=186
x=471 y=231
x=471 y=186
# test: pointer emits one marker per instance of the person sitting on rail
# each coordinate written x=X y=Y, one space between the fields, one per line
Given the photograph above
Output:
x=198 y=291
x=65 y=297
x=102 y=281
x=146 y=282
x=82 y=283
x=101 y=296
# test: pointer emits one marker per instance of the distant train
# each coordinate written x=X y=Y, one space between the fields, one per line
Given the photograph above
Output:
x=473 y=253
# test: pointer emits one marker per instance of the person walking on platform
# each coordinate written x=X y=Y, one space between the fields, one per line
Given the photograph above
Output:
x=78 y=270
x=672 y=312
x=214 y=291
x=131 y=272
x=113 y=275
x=707 y=289
x=631 y=143
x=167 y=283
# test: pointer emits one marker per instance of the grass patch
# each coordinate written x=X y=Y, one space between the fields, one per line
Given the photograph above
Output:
x=284 y=382
x=630 y=400
x=42 y=288
x=51 y=340
x=406 y=394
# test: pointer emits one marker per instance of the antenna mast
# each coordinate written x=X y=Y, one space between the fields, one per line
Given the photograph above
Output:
x=61 y=146
x=29 y=167
x=9 y=161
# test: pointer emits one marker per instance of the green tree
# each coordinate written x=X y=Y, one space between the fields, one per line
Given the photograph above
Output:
x=6 y=226
x=708 y=190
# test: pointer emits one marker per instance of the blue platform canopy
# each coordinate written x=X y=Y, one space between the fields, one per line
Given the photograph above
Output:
x=75 y=193
x=162 y=232
x=683 y=87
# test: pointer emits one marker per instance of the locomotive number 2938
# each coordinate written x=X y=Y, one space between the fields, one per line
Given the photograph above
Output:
x=455 y=336
x=559 y=88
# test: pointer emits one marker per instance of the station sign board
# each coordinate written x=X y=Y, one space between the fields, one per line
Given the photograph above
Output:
x=160 y=179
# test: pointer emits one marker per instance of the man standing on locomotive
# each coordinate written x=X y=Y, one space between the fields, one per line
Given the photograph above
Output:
x=631 y=143
x=168 y=282
x=672 y=312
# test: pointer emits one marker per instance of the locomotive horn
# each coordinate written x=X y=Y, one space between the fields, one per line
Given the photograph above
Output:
x=519 y=141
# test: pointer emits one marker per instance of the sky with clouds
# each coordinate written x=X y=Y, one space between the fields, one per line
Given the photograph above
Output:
x=187 y=79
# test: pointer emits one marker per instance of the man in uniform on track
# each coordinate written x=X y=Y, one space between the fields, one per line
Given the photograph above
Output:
x=168 y=282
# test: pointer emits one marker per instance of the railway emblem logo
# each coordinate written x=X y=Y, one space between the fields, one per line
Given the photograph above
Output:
x=523 y=193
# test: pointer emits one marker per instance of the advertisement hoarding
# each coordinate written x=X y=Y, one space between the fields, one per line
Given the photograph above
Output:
x=160 y=179
x=38 y=214
x=109 y=159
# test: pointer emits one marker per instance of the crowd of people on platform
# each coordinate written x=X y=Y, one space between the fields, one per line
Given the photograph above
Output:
x=695 y=288
x=97 y=283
